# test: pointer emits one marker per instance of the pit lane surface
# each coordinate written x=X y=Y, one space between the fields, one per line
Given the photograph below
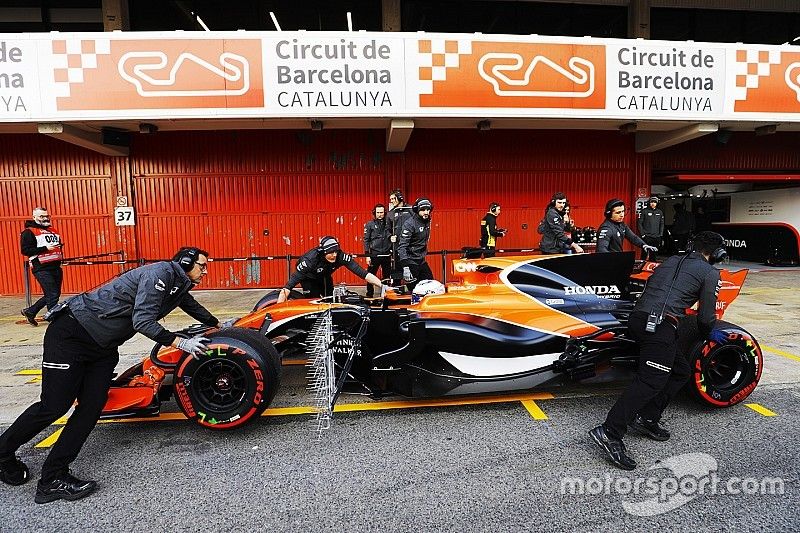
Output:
x=486 y=467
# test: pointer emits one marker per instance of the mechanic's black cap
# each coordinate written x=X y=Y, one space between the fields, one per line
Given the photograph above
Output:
x=329 y=244
x=422 y=203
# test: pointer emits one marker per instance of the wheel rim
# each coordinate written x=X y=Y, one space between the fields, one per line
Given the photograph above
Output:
x=727 y=368
x=219 y=385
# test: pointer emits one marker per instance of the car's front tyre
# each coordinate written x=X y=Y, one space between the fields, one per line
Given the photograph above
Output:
x=232 y=383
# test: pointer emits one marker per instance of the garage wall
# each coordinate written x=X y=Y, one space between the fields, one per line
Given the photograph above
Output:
x=728 y=152
x=463 y=171
x=79 y=189
x=260 y=192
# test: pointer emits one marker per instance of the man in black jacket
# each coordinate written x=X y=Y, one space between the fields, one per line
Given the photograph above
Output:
x=80 y=353
x=412 y=247
x=43 y=245
x=489 y=230
x=675 y=285
x=378 y=246
x=651 y=226
x=613 y=230
x=554 y=239
x=315 y=268
x=399 y=212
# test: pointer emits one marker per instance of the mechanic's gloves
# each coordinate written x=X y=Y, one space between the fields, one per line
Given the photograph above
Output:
x=228 y=323
x=196 y=346
x=407 y=274
x=384 y=289
x=648 y=248
x=718 y=336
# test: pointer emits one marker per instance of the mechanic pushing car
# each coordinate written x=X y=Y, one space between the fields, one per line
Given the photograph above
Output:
x=613 y=230
x=675 y=285
x=314 y=270
x=412 y=247
x=80 y=353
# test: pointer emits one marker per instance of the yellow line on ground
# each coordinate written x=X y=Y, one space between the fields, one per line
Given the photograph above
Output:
x=49 y=441
x=527 y=400
x=781 y=353
x=760 y=409
x=535 y=411
x=294 y=362
x=367 y=406
x=29 y=372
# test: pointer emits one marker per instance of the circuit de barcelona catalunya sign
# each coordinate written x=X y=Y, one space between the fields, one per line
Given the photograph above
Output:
x=80 y=76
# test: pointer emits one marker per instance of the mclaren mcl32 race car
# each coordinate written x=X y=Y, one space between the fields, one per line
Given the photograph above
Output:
x=505 y=324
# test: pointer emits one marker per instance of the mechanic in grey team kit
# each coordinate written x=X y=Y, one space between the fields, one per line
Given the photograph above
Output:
x=613 y=230
x=412 y=246
x=315 y=268
x=80 y=353
x=676 y=285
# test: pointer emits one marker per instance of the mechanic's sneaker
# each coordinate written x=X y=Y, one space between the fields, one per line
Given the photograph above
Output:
x=613 y=448
x=650 y=428
x=13 y=471
x=29 y=317
x=64 y=487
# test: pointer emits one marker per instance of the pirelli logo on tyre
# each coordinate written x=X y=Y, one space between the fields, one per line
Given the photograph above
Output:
x=465 y=73
x=116 y=74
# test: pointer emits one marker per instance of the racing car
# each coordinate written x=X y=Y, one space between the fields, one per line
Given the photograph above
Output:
x=508 y=323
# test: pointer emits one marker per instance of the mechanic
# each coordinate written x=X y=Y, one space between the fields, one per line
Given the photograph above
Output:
x=80 y=353
x=489 y=230
x=378 y=246
x=613 y=230
x=412 y=247
x=43 y=245
x=315 y=268
x=551 y=228
x=651 y=227
x=399 y=212
x=675 y=285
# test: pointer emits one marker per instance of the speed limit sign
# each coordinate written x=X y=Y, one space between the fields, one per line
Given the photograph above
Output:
x=124 y=216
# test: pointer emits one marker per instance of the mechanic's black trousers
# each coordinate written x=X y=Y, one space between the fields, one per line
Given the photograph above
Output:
x=74 y=367
x=661 y=375
x=317 y=287
x=50 y=281
x=384 y=262
x=419 y=272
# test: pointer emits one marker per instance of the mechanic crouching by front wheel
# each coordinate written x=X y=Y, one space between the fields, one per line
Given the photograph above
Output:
x=315 y=268
x=676 y=285
x=80 y=353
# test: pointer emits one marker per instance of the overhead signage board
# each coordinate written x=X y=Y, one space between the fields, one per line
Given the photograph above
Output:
x=207 y=75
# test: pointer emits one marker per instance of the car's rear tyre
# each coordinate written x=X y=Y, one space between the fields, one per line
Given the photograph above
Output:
x=722 y=374
x=231 y=384
x=272 y=297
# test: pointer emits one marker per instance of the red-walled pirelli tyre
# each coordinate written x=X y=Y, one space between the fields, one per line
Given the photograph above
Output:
x=232 y=383
x=724 y=374
x=272 y=297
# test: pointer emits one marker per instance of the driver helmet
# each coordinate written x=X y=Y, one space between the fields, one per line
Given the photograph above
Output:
x=424 y=288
